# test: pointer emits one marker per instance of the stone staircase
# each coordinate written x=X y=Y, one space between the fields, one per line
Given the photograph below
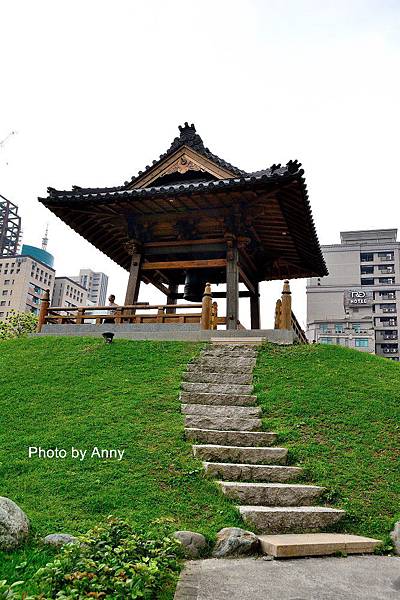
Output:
x=223 y=421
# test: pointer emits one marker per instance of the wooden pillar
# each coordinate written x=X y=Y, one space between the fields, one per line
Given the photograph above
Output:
x=132 y=290
x=232 y=285
x=206 y=309
x=173 y=290
x=286 y=318
x=44 y=309
x=255 y=307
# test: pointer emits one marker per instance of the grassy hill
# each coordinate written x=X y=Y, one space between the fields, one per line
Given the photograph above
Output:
x=338 y=411
x=80 y=392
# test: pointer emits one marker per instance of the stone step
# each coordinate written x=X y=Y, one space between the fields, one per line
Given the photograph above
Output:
x=218 y=399
x=220 y=367
x=230 y=378
x=248 y=472
x=220 y=363
x=221 y=411
x=217 y=388
x=290 y=519
x=230 y=438
x=223 y=423
x=240 y=454
x=239 y=351
x=237 y=341
x=290 y=545
x=271 y=494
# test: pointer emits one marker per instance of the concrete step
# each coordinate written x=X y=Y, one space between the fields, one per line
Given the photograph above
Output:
x=230 y=378
x=290 y=519
x=239 y=351
x=290 y=545
x=217 y=388
x=221 y=411
x=240 y=454
x=231 y=438
x=271 y=494
x=223 y=423
x=248 y=472
x=218 y=399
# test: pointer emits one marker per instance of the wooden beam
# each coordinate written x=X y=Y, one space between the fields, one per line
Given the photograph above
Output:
x=232 y=286
x=171 y=298
x=255 y=308
x=247 y=281
x=132 y=290
x=242 y=294
x=184 y=264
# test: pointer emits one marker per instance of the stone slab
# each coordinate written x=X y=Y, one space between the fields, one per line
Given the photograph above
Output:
x=223 y=423
x=221 y=411
x=290 y=519
x=248 y=472
x=271 y=494
x=217 y=388
x=316 y=544
x=241 y=454
x=328 y=578
x=218 y=399
x=199 y=376
x=230 y=438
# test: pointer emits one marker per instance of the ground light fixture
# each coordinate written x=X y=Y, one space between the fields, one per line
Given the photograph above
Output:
x=108 y=337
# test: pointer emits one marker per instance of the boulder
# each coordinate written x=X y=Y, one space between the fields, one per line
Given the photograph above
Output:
x=59 y=539
x=395 y=537
x=14 y=525
x=233 y=541
x=193 y=543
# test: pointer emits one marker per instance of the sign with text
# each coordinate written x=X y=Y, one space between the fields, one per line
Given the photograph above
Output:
x=358 y=298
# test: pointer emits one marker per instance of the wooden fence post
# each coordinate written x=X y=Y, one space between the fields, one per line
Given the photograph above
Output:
x=44 y=309
x=286 y=318
x=206 y=308
x=278 y=310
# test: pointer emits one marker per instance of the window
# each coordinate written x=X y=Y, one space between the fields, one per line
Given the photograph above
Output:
x=6 y=282
x=326 y=340
x=5 y=292
x=3 y=303
x=323 y=327
x=369 y=281
x=366 y=256
x=338 y=328
x=361 y=343
x=367 y=270
x=357 y=327
x=386 y=255
x=387 y=280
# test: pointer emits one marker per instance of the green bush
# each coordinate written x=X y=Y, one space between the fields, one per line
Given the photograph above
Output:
x=8 y=592
x=17 y=324
x=114 y=561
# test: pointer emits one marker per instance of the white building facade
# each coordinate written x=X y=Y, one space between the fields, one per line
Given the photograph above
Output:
x=357 y=304
x=96 y=284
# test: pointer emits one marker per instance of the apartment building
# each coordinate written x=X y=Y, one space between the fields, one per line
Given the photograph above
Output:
x=357 y=304
x=96 y=284
x=24 y=279
x=68 y=292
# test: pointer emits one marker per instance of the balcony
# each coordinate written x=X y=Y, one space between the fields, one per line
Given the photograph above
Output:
x=390 y=336
x=390 y=350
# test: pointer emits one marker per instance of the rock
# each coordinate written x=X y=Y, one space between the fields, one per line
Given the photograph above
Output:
x=233 y=541
x=14 y=525
x=59 y=539
x=395 y=537
x=193 y=543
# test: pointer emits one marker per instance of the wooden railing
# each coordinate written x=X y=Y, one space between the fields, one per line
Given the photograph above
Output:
x=284 y=316
x=206 y=315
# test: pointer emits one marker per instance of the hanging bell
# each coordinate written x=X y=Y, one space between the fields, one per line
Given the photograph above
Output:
x=195 y=281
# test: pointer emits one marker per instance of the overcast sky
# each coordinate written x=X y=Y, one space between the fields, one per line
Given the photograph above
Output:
x=96 y=90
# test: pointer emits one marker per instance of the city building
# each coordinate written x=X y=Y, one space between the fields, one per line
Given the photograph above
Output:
x=10 y=228
x=357 y=304
x=95 y=283
x=23 y=280
x=68 y=292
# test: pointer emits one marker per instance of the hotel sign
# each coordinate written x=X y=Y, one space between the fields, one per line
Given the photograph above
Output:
x=356 y=298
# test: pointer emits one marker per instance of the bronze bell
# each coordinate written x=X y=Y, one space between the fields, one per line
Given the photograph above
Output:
x=195 y=282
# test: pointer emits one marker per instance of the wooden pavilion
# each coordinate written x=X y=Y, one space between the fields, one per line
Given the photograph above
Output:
x=191 y=218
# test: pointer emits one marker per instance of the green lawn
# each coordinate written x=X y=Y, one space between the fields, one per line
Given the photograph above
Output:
x=338 y=411
x=80 y=392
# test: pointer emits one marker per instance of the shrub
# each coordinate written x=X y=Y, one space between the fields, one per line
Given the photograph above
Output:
x=17 y=324
x=8 y=592
x=113 y=561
